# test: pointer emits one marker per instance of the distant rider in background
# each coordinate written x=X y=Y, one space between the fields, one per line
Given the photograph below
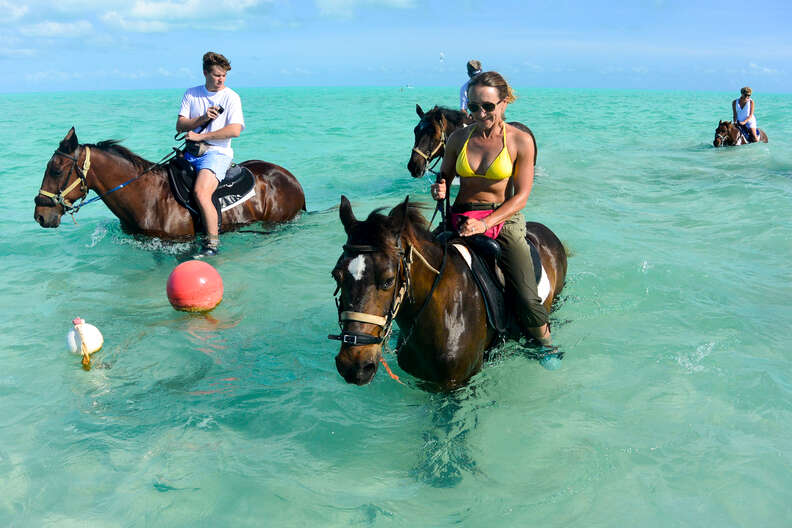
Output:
x=743 y=113
x=473 y=68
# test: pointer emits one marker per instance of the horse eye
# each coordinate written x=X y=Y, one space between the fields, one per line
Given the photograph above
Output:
x=336 y=273
x=387 y=284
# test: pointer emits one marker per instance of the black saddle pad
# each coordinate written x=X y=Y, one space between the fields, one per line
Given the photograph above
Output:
x=236 y=188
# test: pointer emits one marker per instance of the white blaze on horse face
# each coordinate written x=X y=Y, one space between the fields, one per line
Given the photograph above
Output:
x=357 y=266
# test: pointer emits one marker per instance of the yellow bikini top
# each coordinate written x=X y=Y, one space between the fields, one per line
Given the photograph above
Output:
x=500 y=168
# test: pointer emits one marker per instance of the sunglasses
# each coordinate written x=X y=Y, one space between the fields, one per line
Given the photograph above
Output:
x=488 y=107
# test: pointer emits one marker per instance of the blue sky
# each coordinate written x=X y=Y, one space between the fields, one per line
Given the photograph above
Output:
x=656 y=44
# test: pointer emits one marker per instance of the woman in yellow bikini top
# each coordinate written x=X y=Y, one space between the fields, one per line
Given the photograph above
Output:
x=496 y=177
x=500 y=184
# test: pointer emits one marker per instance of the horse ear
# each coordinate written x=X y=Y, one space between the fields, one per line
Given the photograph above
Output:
x=419 y=110
x=69 y=142
x=346 y=214
x=398 y=215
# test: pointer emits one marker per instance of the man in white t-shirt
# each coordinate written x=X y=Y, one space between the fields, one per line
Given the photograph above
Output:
x=211 y=113
x=473 y=68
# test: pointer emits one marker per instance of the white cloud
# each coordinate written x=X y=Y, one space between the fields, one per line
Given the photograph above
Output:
x=181 y=72
x=11 y=12
x=151 y=16
x=114 y=18
x=756 y=68
x=201 y=9
x=52 y=76
x=347 y=8
x=296 y=71
x=15 y=53
x=51 y=29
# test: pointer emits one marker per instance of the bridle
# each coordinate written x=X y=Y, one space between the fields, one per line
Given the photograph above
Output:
x=81 y=180
x=399 y=293
x=724 y=136
x=429 y=157
x=384 y=322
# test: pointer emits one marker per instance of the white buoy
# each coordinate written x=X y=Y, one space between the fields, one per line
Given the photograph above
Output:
x=84 y=339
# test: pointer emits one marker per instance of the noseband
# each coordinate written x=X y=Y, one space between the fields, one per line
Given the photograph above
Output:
x=386 y=322
x=429 y=157
x=399 y=293
x=82 y=173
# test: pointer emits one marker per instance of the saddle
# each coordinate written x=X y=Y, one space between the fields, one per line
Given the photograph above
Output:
x=746 y=133
x=237 y=187
x=482 y=254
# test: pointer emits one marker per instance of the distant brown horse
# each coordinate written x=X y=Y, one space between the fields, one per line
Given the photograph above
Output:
x=391 y=269
x=433 y=130
x=728 y=135
x=146 y=204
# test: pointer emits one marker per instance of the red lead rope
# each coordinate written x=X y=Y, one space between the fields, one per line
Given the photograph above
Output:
x=390 y=372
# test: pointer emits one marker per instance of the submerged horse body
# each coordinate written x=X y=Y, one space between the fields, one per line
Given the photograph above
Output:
x=146 y=204
x=728 y=134
x=433 y=130
x=393 y=270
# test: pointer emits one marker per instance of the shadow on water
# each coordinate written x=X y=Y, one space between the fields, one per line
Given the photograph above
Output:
x=445 y=455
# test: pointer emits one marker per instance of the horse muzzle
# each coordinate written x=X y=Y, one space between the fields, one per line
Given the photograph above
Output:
x=47 y=216
x=416 y=166
x=358 y=367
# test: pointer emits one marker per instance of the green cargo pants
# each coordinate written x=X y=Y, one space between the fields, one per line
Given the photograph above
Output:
x=518 y=270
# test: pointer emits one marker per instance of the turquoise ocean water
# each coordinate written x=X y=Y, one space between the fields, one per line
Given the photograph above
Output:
x=673 y=406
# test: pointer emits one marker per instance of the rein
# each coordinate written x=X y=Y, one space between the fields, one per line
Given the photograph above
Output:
x=82 y=180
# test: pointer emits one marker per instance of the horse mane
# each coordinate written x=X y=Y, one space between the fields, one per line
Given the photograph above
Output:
x=113 y=146
x=457 y=117
x=378 y=229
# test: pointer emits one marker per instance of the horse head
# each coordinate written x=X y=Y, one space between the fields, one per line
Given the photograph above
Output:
x=727 y=134
x=430 y=138
x=372 y=278
x=64 y=182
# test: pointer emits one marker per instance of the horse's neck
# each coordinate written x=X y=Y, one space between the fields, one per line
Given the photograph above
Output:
x=108 y=172
x=423 y=277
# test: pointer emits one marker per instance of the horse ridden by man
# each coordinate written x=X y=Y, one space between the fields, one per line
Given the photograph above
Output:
x=141 y=193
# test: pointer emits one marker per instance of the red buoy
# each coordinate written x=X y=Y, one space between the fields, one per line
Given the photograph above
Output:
x=194 y=286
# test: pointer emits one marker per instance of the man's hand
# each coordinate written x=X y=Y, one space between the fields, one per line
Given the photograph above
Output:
x=212 y=112
x=192 y=136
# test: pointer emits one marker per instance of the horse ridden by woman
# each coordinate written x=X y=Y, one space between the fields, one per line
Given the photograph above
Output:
x=139 y=193
x=728 y=134
x=392 y=270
